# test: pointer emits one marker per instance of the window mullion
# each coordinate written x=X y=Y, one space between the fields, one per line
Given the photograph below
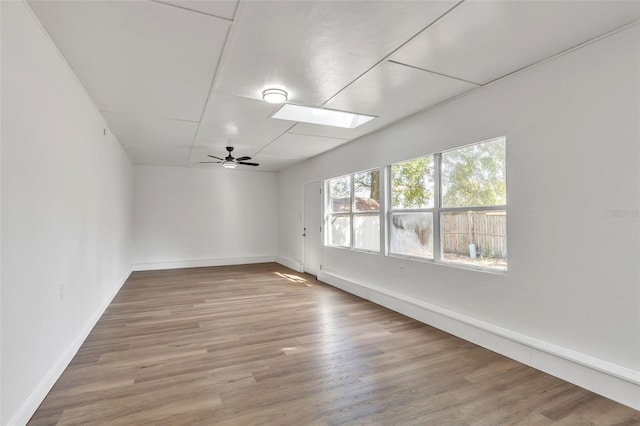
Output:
x=437 y=204
x=351 y=209
x=382 y=200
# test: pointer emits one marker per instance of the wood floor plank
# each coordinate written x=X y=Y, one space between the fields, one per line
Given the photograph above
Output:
x=261 y=344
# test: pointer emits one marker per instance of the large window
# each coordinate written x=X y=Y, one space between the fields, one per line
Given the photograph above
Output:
x=339 y=212
x=353 y=211
x=473 y=216
x=448 y=207
x=451 y=207
x=412 y=208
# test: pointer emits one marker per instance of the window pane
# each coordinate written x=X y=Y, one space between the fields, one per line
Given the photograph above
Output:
x=475 y=175
x=475 y=238
x=339 y=230
x=412 y=234
x=340 y=194
x=366 y=232
x=366 y=186
x=412 y=184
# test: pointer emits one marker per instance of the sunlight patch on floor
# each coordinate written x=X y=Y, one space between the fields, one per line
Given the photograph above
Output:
x=291 y=277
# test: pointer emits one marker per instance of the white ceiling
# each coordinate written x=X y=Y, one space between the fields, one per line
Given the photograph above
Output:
x=177 y=80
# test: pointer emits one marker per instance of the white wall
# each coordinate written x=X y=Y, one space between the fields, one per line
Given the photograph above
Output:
x=200 y=217
x=66 y=214
x=573 y=285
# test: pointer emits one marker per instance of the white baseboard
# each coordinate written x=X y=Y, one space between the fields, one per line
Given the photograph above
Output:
x=290 y=263
x=199 y=263
x=31 y=404
x=610 y=380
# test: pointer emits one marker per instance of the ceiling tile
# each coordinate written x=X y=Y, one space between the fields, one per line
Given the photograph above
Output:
x=391 y=92
x=140 y=130
x=222 y=8
x=135 y=56
x=480 y=40
x=154 y=156
x=241 y=122
x=395 y=91
x=274 y=164
x=335 y=132
x=300 y=146
x=314 y=49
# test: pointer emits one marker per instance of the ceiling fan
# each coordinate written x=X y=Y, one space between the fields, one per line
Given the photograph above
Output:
x=229 y=162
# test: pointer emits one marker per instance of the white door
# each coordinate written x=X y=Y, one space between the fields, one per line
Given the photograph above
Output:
x=312 y=224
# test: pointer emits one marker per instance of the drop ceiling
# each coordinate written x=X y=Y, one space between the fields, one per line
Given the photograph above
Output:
x=177 y=80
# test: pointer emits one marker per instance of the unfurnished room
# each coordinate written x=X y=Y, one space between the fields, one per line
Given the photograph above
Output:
x=320 y=212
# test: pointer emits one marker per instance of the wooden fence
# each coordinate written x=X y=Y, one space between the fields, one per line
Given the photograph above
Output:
x=487 y=230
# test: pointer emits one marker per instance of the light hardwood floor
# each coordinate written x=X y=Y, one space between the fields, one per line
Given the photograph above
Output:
x=263 y=345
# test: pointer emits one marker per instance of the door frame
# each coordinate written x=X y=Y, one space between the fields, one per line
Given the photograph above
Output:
x=303 y=219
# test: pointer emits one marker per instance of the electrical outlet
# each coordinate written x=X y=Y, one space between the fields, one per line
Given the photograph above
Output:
x=61 y=291
x=400 y=269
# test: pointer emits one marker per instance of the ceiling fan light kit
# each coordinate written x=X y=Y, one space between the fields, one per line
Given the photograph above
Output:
x=229 y=162
x=275 y=96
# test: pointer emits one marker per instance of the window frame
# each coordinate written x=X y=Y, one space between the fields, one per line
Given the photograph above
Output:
x=329 y=213
x=437 y=211
x=390 y=210
x=352 y=212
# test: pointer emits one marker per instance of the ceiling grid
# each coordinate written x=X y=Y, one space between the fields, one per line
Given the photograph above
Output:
x=177 y=80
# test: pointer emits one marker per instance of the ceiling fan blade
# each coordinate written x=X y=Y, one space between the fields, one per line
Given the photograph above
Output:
x=243 y=158
x=217 y=158
x=205 y=162
x=248 y=164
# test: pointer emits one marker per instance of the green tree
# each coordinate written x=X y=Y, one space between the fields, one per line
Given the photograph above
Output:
x=474 y=175
x=412 y=183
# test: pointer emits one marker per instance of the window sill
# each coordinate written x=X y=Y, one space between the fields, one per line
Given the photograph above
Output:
x=353 y=249
x=457 y=265
x=468 y=267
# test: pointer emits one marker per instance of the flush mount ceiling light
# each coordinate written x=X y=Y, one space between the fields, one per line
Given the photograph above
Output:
x=325 y=117
x=275 y=96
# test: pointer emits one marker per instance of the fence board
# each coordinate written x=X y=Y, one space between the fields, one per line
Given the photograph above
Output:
x=487 y=230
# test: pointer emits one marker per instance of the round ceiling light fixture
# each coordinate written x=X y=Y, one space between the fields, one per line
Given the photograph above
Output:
x=229 y=164
x=275 y=96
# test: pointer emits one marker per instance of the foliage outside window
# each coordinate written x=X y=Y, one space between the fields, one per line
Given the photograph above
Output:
x=353 y=206
x=451 y=206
